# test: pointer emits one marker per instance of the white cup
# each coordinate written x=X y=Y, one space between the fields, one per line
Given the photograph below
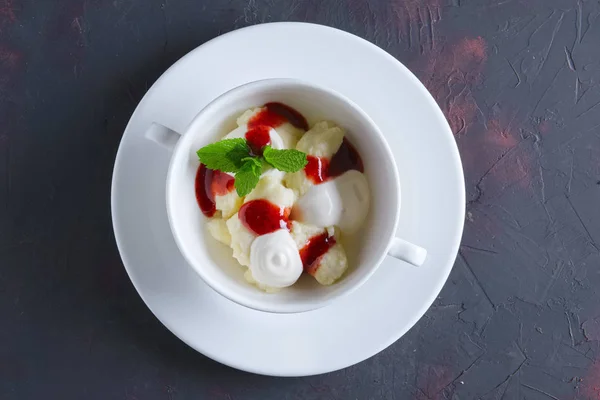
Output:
x=214 y=262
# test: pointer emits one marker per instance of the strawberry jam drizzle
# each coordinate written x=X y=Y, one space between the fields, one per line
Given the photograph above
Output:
x=314 y=250
x=262 y=217
x=275 y=114
x=208 y=184
x=320 y=169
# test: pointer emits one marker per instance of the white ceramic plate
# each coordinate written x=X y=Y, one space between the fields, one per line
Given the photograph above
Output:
x=362 y=323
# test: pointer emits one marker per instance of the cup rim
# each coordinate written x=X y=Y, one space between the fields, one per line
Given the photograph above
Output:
x=223 y=289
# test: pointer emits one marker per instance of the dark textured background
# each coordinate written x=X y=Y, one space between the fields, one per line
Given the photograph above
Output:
x=519 y=317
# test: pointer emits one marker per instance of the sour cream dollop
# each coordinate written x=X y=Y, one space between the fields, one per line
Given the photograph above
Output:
x=343 y=202
x=274 y=259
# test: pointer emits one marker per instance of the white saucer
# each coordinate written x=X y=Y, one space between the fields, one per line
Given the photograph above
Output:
x=357 y=326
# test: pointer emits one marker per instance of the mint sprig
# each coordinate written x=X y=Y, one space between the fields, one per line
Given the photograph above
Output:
x=226 y=155
x=248 y=175
x=234 y=156
x=285 y=160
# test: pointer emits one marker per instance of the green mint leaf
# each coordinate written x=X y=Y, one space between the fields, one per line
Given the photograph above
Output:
x=247 y=177
x=226 y=155
x=285 y=160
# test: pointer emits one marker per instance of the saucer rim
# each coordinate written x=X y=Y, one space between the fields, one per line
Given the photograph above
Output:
x=435 y=289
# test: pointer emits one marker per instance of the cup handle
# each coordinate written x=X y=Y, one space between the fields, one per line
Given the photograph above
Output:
x=408 y=252
x=162 y=135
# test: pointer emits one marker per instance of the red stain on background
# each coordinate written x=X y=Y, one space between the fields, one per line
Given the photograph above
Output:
x=499 y=161
x=449 y=73
x=500 y=135
x=544 y=127
x=590 y=385
x=472 y=50
x=8 y=58
x=431 y=381
x=69 y=23
x=220 y=393
x=7 y=13
x=70 y=28
x=448 y=69
x=452 y=69
x=11 y=63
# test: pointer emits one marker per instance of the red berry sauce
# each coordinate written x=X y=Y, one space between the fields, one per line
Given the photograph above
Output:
x=262 y=217
x=314 y=249
x=275 y=114
x=208 y=184
x=257 y=138
x=317 y=169
x=320 y=169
